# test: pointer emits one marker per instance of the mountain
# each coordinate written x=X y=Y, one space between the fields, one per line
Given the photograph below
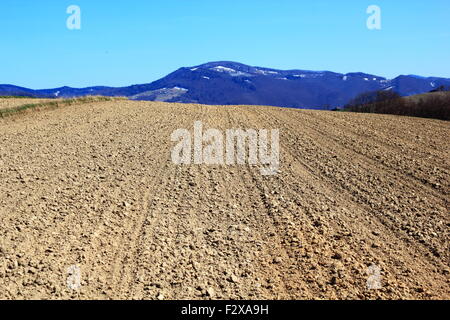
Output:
x=10 y=90
x=232 y=83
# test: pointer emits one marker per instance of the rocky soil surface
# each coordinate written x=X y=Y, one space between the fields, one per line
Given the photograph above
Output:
x=91 y=190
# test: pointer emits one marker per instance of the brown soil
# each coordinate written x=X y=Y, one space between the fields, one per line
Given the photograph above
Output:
x=93 y=185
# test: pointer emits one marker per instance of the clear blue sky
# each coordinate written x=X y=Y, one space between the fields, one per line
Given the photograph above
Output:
x=128 y=42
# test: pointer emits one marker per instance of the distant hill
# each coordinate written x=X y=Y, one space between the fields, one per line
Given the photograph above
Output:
x=232 y=83
x=434 y=105
x=426 y=96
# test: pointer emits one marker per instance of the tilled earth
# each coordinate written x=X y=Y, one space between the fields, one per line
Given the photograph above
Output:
x=92 y=188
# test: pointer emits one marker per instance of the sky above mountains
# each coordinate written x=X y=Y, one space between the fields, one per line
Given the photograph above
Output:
x=125 y=42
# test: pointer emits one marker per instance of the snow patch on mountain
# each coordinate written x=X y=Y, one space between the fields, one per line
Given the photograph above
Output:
x=232 y=72
x=266 y=72
x=312 y=75
x=223 y=69
x=163 y=94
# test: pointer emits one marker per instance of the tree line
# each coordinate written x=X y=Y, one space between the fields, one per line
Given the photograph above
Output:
x=435 y=104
